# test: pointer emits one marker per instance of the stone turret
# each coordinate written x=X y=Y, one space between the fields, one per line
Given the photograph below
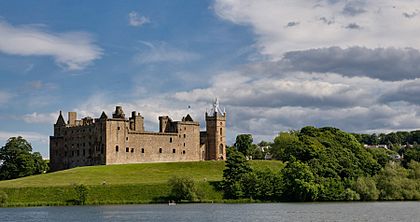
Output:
x=216 y=133
x=59 y=124
x=119 y=113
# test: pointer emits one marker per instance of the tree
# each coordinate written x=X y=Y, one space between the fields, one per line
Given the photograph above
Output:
x=256 y=152
x=299 y=182
x=262 y=185
x=236 y=167
x=18 y=161
x=244 y=144
x=411 y=153
x=182 y=188
x=366 y=188
x=284 y=141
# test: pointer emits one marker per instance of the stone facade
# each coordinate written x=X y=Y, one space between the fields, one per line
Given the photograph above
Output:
x=121 y=140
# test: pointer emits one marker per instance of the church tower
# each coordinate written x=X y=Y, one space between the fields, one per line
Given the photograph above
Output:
x=216 y=133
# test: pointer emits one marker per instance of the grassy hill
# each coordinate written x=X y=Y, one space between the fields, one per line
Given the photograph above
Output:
x=131 y=183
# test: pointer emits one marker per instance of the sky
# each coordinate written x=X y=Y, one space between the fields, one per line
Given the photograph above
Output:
x=275 y=65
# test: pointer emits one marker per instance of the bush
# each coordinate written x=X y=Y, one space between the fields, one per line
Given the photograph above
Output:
x=3 y=198
x=366 y=188
x=182 y=188
x=81 y=194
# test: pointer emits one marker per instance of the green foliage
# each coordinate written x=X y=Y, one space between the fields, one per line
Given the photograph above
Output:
x=256 y=152
x=381 y=155
x=299 y=182
x=236 y=167
x=3 y=198
x=244 y=144
x=414 y=170
x=284 y=141
x=333 y=189
x=81 y=194
x=350 y=195
x=366 y=188
x=394 y=184
x=18 y=161
x=412 y=153
x=328 y=151
x=262 y=185
x=41 y=166
x=182 y=188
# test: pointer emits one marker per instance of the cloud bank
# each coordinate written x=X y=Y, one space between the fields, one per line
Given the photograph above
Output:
x=325 y=23
x=70 y=50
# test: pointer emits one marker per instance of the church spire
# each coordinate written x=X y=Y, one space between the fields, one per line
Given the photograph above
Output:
x=60 y=120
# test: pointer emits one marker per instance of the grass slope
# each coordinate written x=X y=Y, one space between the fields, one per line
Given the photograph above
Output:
x=117 y=184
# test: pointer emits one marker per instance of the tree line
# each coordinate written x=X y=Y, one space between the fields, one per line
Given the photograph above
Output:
x=321 y=164
x=393 y=138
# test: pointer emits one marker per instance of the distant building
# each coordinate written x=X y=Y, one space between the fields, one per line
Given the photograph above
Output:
x=121 y=140
x=376 y=146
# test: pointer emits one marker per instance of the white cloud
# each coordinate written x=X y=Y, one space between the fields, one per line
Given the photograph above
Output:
x=134 y=19
x=29 y=136
x=71 y=50
x=322 y=23
x=162 y=52
x=40 y=117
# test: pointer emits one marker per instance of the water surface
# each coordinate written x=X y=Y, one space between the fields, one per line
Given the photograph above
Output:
x=355 y=211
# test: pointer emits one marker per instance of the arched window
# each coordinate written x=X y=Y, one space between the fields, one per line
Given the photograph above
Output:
x=117 y=148
x=221 y=131
x=221 y=149
x=142 y=150
x=160 y=150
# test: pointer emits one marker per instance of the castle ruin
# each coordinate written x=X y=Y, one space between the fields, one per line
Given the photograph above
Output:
x=121 y=140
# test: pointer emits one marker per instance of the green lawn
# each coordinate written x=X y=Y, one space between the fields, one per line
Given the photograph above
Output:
x=130 y=183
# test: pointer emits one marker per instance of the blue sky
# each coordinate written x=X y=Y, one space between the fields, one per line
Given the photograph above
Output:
x=275 y=65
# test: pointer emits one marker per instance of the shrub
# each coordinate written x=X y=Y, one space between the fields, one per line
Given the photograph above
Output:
x=366 y=188
x=182 y=188
x=3 y=198
x=81 y=194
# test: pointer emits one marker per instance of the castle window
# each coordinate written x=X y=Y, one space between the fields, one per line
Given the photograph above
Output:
x=221 y=131
x=132 y=150
x=184 y=136
x=142 y=150
x=78 y=152
x=221 y=149
x=126 y=138
x=170 y=140
x=118 y=128
x=173 y=151
x=84 y=152
x=183 y=152
x=102 y=150
x=184 y=144
x=127 y=149
x=116 y=148
x=72 y=153
x=160 y=150
x=185 y=128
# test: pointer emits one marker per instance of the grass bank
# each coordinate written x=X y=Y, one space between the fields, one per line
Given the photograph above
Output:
x=118 y=184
